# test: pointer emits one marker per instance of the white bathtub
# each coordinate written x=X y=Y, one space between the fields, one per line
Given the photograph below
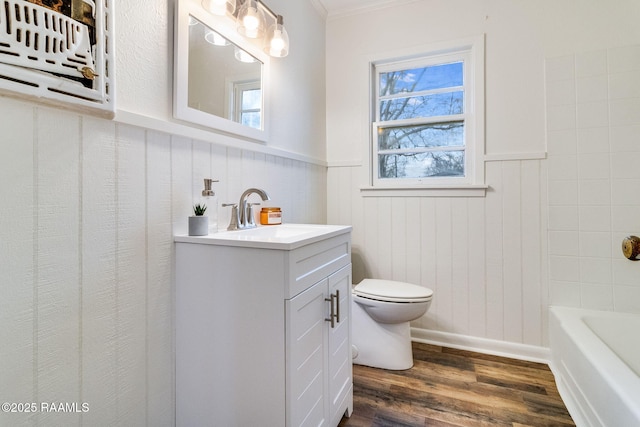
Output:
x=595 y=357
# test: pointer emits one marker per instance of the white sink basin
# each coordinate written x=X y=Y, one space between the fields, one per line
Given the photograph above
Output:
x=283 y=236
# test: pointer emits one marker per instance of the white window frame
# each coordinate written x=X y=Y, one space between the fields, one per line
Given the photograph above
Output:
x=471 y=51
x=239 y=88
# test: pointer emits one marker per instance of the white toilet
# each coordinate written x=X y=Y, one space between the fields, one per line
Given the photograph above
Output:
x=381 y=312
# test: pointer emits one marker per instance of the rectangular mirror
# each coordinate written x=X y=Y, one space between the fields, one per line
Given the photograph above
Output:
x=219 y=76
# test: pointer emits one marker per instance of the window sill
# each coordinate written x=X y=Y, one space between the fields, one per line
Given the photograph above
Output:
x=478 y=190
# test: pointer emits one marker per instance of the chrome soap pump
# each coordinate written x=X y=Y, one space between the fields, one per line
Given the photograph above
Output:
x=210 y=199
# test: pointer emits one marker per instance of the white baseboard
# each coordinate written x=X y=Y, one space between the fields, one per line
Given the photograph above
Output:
x=482 y=345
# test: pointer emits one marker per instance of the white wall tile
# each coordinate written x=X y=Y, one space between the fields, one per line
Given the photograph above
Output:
x=624 y=112
x=624 y=192
x=595 y=191
x=592 y=89
x=562 y=142
x=564 y=243
x=596 y=297
x=593 y=166
x=627 y=299
x=561 y=117
x=563 y=218
x=593 y=63
x=565 y=294
x=624 y=85
x=595 y=270
x=560 y=68
x=624 y=138
x=564 y=268
x=625 y=165
x=595 y=244
x=563 y=167
x=593 y=140
x=625 y=272
x=592 y=114
x=625 y=218
x=561 y=93
x=595 y=218
x=565 y=193
x=625 y=58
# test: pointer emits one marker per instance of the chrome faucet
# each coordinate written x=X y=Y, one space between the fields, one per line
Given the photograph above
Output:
x=242 y=214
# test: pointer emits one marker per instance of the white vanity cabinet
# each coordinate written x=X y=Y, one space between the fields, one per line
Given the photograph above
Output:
x=319 y=383
x=253 y=346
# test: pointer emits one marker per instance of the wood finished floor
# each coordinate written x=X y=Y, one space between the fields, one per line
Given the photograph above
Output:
x=448 y=387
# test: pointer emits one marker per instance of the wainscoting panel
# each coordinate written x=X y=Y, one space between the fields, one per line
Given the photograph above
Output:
x=483 y=257
x=89 y=210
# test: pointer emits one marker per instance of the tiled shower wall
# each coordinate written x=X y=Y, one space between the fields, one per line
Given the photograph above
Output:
x=593 y=135
x=89 y=209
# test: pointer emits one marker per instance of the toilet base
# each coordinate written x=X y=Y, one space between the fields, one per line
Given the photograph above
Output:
x=380 y=345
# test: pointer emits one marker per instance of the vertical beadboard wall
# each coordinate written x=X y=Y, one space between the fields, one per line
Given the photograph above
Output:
x=89 y=209
x=484 y=257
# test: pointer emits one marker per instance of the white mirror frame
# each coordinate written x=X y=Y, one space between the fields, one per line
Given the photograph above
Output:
x=224 y=25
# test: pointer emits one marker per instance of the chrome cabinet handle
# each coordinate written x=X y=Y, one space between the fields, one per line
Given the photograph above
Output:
x=334 y=315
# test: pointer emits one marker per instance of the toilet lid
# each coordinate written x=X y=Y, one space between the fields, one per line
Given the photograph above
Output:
x=389 y=290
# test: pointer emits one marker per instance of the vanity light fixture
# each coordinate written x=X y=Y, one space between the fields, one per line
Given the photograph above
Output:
x=219 y=7
x=251 y=21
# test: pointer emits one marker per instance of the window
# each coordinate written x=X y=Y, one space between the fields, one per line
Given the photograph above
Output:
x=247 y=103
x=428 y=119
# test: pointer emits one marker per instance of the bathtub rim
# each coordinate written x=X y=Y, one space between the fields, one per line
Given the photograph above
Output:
x=619 y=378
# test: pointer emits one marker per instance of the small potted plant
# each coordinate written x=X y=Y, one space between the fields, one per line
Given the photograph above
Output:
x=198 y=223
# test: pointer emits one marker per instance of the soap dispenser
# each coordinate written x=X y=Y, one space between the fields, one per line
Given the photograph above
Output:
x=210 y=199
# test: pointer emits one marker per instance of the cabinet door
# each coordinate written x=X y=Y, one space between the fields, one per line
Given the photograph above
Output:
x=339 y=348
x=306 y=357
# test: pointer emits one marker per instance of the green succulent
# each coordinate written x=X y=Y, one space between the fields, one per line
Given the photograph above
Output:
x=199 y=209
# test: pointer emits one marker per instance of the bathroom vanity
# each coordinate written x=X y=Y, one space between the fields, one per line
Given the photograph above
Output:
x=263 y=331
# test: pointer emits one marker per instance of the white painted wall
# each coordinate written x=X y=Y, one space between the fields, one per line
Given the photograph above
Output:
x=144 y=31
x=88 y=209
x=486 y=258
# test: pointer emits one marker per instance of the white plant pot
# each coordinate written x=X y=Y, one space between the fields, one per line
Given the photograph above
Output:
x=198 y=225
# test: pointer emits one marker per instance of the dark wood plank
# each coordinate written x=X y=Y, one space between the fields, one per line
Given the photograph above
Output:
x=450 y=387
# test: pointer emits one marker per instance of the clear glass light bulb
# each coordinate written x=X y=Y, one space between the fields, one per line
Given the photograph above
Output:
x=277 y=43
x=251 y=21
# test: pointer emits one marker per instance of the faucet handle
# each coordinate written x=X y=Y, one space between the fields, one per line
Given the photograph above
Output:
x=233 y=223
x=251 y=222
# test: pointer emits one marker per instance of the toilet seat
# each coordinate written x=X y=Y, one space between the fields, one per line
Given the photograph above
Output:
x=392 y=291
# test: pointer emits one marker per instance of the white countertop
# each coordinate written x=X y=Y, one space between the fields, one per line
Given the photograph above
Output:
x=282 y=237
